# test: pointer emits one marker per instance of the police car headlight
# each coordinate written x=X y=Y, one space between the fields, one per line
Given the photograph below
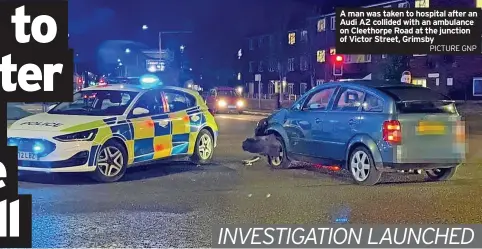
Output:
x=77 y=136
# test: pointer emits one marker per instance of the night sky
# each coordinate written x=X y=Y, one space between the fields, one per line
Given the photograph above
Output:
x=218 y=26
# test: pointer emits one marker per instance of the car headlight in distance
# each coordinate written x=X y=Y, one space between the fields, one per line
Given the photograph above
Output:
x=240 y=103
x=77 y=136
x=222 y=103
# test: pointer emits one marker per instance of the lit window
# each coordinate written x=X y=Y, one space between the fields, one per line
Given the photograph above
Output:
x=321 y=25
x=422 y=3
x=420 y=82
x=320 y=56
x=291 y=38
x=332 y=51
x=479 y=4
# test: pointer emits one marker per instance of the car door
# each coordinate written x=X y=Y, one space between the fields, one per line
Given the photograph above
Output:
x=343 y=121
x=143 y=126
x=305 y=126
x=186 y=119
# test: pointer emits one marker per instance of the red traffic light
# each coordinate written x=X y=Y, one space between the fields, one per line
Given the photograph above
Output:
x=339 y=58
x=79 y=80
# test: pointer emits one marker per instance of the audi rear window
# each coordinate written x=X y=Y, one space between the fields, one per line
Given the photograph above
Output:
x=419 y=100
x=410 y=93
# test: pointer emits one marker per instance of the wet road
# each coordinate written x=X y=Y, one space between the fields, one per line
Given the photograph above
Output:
x=175 y=204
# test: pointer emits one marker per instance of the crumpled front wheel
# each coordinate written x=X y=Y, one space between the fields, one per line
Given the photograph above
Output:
x=281 y=161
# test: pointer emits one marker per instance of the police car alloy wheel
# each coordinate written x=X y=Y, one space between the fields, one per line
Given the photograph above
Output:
x=204 y=148
x=362 y=167
x=111 y=162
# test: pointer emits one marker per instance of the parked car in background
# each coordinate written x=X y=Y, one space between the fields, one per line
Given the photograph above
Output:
x=369 y=128
x=225 y=100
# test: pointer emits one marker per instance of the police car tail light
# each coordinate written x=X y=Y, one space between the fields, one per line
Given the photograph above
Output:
x=392 y=131
x=77 y=136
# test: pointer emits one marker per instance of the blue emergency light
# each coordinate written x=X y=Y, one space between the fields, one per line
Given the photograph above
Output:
x=149 y=80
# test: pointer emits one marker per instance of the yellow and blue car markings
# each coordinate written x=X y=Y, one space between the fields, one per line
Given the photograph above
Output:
x=152 y=137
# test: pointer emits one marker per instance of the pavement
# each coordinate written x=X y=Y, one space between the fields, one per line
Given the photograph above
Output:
x=175 y=204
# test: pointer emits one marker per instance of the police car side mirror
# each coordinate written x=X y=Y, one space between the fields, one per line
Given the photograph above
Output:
x=140 y=111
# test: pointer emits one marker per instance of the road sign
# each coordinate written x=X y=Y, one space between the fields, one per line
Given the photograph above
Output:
x=257 y=77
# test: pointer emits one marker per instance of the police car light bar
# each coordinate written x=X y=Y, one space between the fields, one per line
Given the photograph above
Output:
x=149 y=80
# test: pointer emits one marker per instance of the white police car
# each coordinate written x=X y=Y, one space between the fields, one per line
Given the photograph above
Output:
x=110 y=127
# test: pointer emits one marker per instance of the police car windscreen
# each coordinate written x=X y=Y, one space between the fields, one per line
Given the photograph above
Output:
x=96 y=103
x=419 y=100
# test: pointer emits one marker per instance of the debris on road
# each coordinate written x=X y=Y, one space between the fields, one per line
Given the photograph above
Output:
x=250 y=162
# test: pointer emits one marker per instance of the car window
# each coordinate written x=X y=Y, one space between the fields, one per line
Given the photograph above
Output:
x=151 y=102
x=409 y=93
x=178 y=101
x=297 y=105
x=348 y=100
x=372 y=103
x=419 y=100
x=320 y=99
x=96 y=103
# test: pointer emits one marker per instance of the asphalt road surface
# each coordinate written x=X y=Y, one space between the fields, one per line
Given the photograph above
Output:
x=176 y=204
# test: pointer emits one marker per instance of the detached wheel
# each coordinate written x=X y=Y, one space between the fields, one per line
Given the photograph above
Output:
x=111 y=162
x=204 y=148
x=362 y=167
x=442 y=174
x=282 y=161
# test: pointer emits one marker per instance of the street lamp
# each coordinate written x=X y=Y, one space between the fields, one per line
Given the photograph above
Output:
x=118 y=60
x=120 y=64
x=182 y=48
x=144 y=27
x=127 y=50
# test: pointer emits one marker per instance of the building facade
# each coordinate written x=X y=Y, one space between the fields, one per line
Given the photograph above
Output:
x=460 y=77
x=296 y=60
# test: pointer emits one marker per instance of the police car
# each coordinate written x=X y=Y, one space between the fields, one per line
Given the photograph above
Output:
x=108 y=128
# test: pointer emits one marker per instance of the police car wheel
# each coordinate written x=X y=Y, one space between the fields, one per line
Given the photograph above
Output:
x=282 y=161
x=204 y=148
x=111 y=162
x=362 y=167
